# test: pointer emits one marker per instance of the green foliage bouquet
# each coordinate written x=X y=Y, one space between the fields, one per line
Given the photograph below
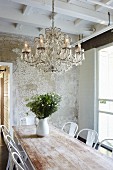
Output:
x=44 y=105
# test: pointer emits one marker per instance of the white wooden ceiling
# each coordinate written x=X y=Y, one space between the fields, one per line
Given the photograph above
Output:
x=75 y=17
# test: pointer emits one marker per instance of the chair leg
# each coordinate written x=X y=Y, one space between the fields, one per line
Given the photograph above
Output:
x=11 y=164
x=8 y=164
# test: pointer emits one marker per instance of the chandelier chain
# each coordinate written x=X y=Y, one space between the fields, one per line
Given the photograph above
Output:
x=53 y=13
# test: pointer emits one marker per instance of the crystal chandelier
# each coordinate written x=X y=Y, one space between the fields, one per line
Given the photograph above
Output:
x=53 y=52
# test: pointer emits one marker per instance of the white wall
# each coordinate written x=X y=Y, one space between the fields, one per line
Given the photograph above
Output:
x=87 y=91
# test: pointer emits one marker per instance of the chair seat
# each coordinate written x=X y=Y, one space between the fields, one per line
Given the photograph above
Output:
x=109 y=143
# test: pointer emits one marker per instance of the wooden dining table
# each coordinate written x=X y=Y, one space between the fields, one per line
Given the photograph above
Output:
x=59 y=151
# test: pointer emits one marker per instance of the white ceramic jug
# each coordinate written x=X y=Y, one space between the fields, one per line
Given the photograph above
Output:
x=42 y=128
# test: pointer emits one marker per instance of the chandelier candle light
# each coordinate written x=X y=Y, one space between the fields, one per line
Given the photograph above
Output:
x=53 y=52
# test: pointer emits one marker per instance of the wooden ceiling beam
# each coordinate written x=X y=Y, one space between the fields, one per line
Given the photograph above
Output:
x=100 y=7
x=24 y=31
x=68 y=9
x=77 y=22
x=100 y=3
x=42 y=21
x=27 y=10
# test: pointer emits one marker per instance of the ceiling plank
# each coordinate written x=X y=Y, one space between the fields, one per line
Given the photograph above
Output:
x=82 y=3
x=107 y=2
x=77 y=22
x=68 y=9
x=24 y=31
x=19 y=26
x=42 y=21
x=100 y=3
x=27 y=10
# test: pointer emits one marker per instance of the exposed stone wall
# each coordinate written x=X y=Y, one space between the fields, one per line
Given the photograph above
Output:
x=28 y=81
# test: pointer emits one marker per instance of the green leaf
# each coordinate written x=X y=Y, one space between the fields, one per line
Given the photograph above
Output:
x=44 y=105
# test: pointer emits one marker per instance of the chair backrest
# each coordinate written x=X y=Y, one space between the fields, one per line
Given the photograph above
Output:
x=19 y=164
x=4 y=129
x=73 y=127
x=107 y=142
x=9 y=139
x=28 y=120
x=91 y=136
x=5 y=132
x=11 y=144
x=12 y=147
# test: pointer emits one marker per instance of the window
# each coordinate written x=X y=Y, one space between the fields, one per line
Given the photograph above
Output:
x=105 y=93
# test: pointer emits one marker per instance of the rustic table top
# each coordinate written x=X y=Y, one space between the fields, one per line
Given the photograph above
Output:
x=59 y=151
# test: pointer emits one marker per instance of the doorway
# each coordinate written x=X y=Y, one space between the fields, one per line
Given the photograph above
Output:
x=6 y=116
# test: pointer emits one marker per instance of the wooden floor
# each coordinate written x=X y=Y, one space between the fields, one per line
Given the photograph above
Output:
x=3 y=154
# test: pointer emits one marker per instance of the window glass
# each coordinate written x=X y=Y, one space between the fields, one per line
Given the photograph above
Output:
x=105 y=93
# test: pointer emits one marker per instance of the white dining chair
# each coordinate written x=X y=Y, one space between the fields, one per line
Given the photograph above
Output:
x=10 y=145
x=28 y=120
x=109 y=143
x=13 y=148
x=91 y=136
x=5 y=132
x=71 y=128
x=10 y=141
x=4 y=128
x=18 y=162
